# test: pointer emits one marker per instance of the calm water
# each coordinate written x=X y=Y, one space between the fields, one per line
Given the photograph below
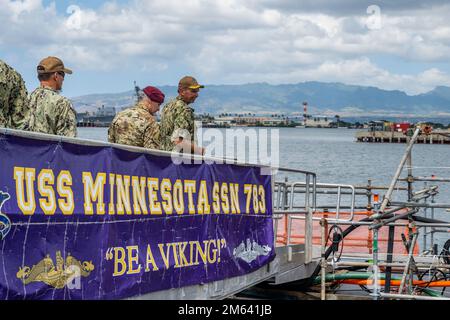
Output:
x=335 y=157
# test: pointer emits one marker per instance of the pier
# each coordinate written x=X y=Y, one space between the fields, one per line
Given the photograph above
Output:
x=436 y=137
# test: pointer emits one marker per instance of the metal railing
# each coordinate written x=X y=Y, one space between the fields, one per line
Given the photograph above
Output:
x=284 y=194
x=388 y=213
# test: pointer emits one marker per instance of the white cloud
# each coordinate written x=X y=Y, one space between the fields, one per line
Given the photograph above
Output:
x=16 y=8
x=237 y=41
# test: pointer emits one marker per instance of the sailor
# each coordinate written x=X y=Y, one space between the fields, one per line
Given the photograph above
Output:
x=177 y=118
x=137 y=126
x=50 y=112
x=14 y=110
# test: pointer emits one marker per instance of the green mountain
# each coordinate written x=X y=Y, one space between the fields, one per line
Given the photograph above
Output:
x=263 y=98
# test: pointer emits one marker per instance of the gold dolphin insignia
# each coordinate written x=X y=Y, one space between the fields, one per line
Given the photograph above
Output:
x=56 y=276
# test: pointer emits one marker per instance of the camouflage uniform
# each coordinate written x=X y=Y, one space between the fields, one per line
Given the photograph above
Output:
x=14 y=110
x=176 y=115
x=52 y=113
x=135 y=127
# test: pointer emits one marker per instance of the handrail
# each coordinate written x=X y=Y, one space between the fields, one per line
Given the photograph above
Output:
x=339 y=193
x=284 y=205
x=89 y=142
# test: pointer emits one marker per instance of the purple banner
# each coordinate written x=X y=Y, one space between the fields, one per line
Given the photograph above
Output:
x=97 y=222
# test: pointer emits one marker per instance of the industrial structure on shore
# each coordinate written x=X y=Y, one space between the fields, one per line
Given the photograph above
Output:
x=101 y=118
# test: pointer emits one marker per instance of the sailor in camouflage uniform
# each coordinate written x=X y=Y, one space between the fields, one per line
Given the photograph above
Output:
x=177 y=119
x=14 y=110
x=137 y=126
x=50 y=112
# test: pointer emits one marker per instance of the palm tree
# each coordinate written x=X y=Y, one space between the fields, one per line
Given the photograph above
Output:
x=338 y=118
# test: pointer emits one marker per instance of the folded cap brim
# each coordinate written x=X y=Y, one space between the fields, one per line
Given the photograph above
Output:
x=67 y=71
x=196 y=87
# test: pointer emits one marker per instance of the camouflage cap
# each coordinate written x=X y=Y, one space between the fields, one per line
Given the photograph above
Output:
x=52 y=64
x=190 y=83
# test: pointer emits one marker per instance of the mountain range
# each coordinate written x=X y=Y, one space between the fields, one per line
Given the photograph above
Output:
x=322 y=98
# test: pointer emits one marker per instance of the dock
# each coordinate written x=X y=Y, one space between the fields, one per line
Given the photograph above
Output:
x=436 y=137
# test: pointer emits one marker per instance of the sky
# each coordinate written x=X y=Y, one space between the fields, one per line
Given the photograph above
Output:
x=394 y=45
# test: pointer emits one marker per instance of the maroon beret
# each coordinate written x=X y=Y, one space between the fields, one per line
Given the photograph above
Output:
x=154 y=94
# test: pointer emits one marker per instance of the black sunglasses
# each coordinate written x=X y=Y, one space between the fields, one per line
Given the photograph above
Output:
x=62 y=74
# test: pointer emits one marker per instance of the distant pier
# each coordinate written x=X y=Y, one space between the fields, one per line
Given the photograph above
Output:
x=95 y=121
x=96 y=124
x=437 y=137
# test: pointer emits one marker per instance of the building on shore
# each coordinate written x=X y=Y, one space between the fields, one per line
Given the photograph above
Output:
x=318 y=122
x=241 y=120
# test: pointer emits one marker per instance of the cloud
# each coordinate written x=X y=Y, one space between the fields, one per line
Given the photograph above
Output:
x=343 y=7
x=363 y=72
x=236 y=41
